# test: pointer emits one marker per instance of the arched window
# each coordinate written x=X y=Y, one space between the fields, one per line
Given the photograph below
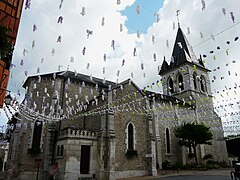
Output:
x=61 y=150
x=130 y=137
x=195 y=81
x=203 y=84
x=180 y=82
x=58 y=150
x=37 y=134
x=168 y=141
x=170 y=85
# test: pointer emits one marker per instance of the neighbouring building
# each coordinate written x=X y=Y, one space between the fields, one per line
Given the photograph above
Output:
x=10 y=14
x=3 y=154
x=76 y=126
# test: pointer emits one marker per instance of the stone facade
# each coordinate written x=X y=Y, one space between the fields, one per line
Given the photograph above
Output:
x=97 y=128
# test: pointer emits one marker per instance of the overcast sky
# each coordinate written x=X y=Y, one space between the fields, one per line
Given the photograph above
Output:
x=146 y=25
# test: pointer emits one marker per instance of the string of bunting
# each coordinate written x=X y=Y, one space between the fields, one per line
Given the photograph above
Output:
x=104 y=106
x=115 y=101
x=167 y=115
x=89 y=32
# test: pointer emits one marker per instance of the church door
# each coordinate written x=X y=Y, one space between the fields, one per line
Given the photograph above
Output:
x=85 y=159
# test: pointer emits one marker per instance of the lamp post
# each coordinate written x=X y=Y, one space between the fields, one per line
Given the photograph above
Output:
x=8 y=102
x=8 y=99
x=38 y=163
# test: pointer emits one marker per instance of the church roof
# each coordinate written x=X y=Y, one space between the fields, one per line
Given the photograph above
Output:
x=165 y=65
x=166 y=98
x=73 y=76
x=182 y=53
x=86 y=78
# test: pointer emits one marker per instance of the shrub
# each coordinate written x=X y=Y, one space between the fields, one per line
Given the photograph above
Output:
x=5 y=44
x=187 y=166
x=216 y=164
x=191 y=155
x=207 y=157
x=177 y=165
x=212 y=166
x=223 y=164
x=166 y=165
x=211 y=162
x=131 y=153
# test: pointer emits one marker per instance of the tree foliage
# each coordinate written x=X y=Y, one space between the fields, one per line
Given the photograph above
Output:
x=193 y=134
x=5 y=44
x=233 y=145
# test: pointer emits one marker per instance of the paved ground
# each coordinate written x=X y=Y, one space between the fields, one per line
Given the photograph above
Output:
x=219 y=174
x=196 y=177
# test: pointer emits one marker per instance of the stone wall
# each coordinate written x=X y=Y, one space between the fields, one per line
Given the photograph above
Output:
x=76 y=98
x=108 y=121
x=170 y=115
x=20 y=159
x=71 y=94
x=69 y=162
x=39 y=94
x=67 y=94
x=137 y=165
x=204 y=112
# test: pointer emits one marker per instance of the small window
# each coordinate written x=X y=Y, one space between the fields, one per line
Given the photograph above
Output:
x=37 y=133
x=195 y=81
x=61 y=150
x=203 y=84
x=58 y=150
x=180 y=82
x=130 y=137
x=170 y=85
x=168 y=141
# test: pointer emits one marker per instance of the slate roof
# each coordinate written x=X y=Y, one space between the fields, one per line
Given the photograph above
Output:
x=73 y=76
x=182 y=53
x=166 y=98
x=165 y=66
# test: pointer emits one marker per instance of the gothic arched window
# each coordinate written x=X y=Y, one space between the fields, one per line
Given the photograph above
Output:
x=180 y=82
x=37 y=134
x=61 y=150
x=58 y=150
x=203 y=84
x=195 y=80
x=170 y=85
x=130 y=137
x=168 y=141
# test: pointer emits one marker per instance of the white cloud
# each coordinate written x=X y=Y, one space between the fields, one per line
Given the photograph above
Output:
x=74 y=38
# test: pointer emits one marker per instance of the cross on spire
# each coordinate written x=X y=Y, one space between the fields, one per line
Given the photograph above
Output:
x=178 y=13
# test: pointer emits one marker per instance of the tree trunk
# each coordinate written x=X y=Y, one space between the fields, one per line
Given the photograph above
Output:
x=195 y=153
x=190 y=149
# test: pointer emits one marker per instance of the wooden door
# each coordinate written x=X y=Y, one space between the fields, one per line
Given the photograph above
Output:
x=85 y=159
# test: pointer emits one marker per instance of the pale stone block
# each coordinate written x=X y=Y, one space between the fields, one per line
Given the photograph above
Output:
x=132 y=173
x=72 y=175
x=72 y=165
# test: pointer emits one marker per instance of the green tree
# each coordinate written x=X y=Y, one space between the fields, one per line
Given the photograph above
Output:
x=5 y=44
x=192 y=134
x=233 y=145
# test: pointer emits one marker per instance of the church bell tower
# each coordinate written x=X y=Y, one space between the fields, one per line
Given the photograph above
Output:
x=186 y=76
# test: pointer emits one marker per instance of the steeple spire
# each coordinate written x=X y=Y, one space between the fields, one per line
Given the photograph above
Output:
x=164 y=66
x=182 y=53
x=178 y=13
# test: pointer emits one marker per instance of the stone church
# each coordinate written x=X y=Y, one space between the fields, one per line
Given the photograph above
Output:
x=75 y=126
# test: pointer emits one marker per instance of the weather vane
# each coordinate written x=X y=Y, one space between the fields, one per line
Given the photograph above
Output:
x=178 y=13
